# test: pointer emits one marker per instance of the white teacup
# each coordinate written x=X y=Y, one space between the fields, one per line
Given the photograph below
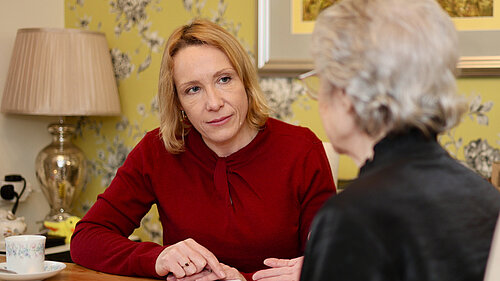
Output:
x=25 y=253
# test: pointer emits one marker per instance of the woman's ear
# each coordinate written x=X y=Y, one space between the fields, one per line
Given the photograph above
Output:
x=344 y=100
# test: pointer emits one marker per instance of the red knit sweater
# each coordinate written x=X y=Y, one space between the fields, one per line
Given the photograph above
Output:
x=254 y=204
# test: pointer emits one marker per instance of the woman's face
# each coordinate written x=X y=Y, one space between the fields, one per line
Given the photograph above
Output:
x=339 y=120
x=213 y=97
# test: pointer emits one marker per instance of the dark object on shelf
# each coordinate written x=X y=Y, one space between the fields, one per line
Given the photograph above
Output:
x=53 y=241
x=7 y=192
x=60 y=257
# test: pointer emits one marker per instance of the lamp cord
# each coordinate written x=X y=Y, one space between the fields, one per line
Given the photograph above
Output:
x=14 y=208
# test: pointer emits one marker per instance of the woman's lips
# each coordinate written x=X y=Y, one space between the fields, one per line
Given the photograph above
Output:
x=220 y=121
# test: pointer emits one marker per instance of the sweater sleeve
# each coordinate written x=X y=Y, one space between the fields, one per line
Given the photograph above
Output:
x=318 y=186
x=100 y=239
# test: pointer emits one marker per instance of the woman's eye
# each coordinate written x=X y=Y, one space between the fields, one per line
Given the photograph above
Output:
x=225 y=79
x=193 y=90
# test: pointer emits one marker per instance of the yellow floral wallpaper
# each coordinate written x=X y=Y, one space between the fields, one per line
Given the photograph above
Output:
x=136 y=31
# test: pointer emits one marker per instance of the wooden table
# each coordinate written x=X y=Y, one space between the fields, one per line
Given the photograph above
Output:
x=75 y=272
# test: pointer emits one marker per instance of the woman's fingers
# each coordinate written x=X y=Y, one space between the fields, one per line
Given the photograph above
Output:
x=177 y=270
x=210 y=258
x=187 y=258
x=195 y=277
x=196 y=260
x=176 y=260
x=268 y=273
x=281 y=269
x=232 y=274
x=273 y=262
x=189 y=268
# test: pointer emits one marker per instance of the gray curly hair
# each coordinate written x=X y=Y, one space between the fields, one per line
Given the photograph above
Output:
x=395 y=59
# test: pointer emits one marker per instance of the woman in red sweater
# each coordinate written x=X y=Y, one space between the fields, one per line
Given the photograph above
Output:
x=233 y=187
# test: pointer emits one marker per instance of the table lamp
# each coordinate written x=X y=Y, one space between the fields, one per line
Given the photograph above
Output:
x=60 y=72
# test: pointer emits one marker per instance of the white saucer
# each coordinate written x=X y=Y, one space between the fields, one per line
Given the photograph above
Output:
x=50 y=268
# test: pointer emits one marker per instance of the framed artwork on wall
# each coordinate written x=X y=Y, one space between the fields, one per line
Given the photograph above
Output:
x=283 y=40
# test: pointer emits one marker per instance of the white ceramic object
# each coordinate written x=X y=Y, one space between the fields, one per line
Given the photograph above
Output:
x=11 y=225
x=25 y=253
x=51 y=268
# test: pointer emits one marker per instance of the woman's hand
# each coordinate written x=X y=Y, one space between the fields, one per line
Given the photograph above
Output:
x=186 y=258
x=281 y=269
x=232 y=274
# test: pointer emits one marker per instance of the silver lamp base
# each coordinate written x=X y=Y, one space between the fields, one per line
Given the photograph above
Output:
x=61 y=169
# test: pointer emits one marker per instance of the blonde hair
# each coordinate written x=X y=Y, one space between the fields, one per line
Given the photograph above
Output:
x=395 y=59
x=173 y=127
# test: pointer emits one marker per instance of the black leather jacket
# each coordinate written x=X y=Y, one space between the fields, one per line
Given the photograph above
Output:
x=414 y=213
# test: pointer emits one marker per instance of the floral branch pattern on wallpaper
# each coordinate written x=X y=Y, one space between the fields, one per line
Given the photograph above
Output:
x=281 y=94
x=85 y=20
x=132 y=13
x=74 y=4
x=195 y=8
x=122 y=64
x=478 y=154
x=113 y=156
x=152 y=228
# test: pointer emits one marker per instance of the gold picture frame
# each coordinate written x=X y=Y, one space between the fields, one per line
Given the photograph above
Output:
x=281 y=52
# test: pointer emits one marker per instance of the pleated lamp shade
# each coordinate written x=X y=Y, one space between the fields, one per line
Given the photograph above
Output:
x=60 y=72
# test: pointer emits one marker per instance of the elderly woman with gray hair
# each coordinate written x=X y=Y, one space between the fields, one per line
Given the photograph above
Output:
x=387 y=89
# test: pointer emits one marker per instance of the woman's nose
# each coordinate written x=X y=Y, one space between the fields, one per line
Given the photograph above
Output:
x=214 y=99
